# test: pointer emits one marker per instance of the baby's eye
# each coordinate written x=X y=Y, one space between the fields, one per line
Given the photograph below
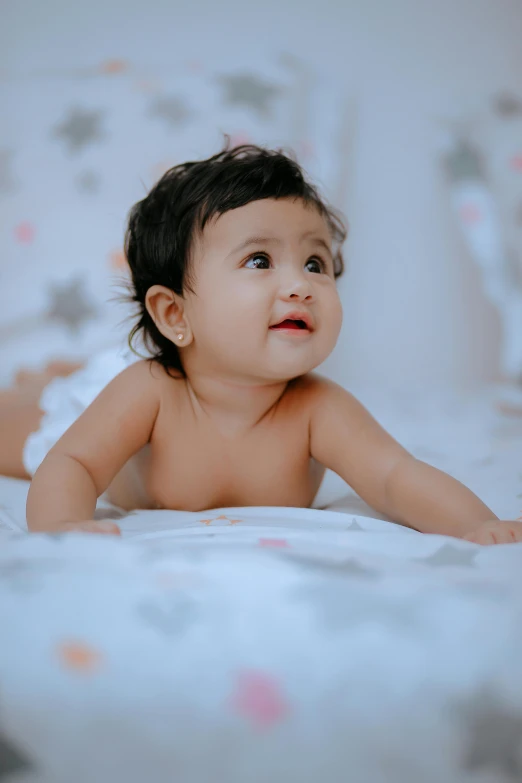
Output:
x=318 y=263
x=262 y=257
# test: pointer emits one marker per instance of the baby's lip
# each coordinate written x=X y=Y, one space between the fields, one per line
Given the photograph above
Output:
x=296 y=315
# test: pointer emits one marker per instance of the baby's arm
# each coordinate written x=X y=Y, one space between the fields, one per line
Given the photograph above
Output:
x=346 y=438
x=82 y=464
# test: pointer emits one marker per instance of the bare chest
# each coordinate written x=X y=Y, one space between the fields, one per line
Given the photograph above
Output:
x=193 y=464
x=195 y=471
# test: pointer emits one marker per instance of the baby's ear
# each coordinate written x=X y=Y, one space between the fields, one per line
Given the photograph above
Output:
x=166 y=310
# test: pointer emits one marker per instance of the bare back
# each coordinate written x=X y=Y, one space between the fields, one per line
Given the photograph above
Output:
x=189 y=464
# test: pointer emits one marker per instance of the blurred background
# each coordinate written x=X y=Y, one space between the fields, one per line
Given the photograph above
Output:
x=408 y=114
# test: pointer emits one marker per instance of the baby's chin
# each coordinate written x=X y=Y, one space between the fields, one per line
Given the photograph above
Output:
x=288 y=371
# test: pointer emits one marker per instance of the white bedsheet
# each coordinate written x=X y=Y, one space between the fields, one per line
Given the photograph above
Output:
x=249 y=645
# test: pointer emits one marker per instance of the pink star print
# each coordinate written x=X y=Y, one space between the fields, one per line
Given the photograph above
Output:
x=258 y=697
x=470 y=213
x=277 y=543
x=25 y=232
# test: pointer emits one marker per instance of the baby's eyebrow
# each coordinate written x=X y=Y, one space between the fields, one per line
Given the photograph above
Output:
x=320 y=241
x=255 y=241
x=274 y=241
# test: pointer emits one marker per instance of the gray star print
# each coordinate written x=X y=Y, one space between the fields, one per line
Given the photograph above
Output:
x=173 y=111
x=508 y=105
x=80 y=129
x=250 y=92
x=70 y=305
x=339 y=607
x=88 y=182
x=449 y=555
x=22 y=576
x=355 y=526
x=346 y=567
x=11 y=760
x=494 y=737
x=171 y=615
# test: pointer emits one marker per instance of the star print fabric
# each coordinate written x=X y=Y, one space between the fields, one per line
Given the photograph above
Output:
x=260 y=644
x=102 y=138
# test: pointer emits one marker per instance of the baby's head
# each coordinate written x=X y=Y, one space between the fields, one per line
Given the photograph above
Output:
x=220 y=251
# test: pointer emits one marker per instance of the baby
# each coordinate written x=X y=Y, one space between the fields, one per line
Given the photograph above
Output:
x=233 y=262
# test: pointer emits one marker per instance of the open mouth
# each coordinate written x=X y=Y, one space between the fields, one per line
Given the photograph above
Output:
x=291 y=324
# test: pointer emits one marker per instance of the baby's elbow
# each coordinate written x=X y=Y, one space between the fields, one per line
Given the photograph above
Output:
x=66 y=468
x=81 y=464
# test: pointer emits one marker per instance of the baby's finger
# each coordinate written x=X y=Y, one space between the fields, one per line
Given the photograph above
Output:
x=516 y=533
x=502 y=536
x=506 y=532
x=483 y=536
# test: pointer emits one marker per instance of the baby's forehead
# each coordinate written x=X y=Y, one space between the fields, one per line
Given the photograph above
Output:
x=268 y=218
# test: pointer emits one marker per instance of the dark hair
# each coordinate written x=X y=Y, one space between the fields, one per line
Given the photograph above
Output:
x=161 y=227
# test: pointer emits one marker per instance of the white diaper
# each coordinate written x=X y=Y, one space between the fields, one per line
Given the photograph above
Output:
x=64 y=399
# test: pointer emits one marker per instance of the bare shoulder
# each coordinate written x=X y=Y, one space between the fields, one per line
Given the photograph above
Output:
x=322 y=400
x=147 y=375
x=318 y=389
x=144 y=371
x=168 y=384
x=148 y=370
x=331 y=405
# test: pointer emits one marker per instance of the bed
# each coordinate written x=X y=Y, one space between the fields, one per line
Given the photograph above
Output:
x=248 y=645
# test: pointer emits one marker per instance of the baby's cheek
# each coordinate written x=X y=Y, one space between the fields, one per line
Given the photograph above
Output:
x=334 y=318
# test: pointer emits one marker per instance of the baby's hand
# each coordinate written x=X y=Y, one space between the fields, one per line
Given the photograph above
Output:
x=104 y=527
x=496 y=532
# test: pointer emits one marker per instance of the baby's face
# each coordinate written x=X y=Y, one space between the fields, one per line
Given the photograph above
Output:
x=253 y=266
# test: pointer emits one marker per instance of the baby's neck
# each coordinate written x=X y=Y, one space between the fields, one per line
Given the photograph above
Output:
x=233 y=406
